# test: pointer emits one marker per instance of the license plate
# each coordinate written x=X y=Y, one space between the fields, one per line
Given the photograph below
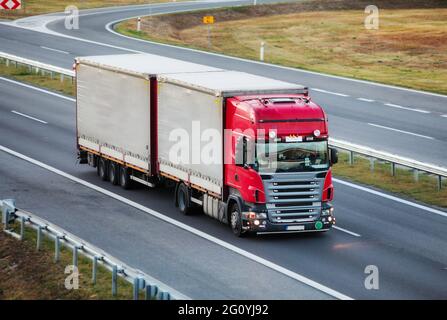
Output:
x=294 y=228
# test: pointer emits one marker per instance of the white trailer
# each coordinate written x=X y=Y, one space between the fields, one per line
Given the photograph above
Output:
x=114 y=95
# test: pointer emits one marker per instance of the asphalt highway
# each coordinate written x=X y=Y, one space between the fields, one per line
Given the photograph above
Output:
x=405 y=242
x=405 y=122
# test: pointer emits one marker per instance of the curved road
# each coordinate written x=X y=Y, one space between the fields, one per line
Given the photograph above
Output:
x=406 y=242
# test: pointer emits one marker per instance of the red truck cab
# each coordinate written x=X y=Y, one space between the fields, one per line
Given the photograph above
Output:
x=278 y=172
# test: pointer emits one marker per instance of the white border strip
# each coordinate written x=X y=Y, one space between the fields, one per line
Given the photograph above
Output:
x=38 y=89
x=185 y=227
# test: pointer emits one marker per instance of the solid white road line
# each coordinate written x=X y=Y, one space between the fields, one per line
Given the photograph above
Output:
x=444 y=115
x=185 y=227
x=38 y=89
x=366 y=100
x=330 y=92
x=29 y=117
x=390 y=197
x=405 y=108
x=346 y=231
x=55 y=50
x=401 y=131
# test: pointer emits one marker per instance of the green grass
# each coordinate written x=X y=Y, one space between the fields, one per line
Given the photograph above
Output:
x=24 y=74
x=37 y=276
x=403 y=183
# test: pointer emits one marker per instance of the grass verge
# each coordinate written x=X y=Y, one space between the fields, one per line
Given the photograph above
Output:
x=403 y=183
x=409 y=49
x=425 y=190
x=27 y=75
x=35 y=7
x=28 y=274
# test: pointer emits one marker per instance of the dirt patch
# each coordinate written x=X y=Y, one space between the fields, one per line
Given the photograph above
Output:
x=28 y=274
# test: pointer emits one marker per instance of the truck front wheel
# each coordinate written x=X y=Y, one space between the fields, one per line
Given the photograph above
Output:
x=236 y=221
x=102 y=169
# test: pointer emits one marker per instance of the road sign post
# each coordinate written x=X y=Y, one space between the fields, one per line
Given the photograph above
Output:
x=208 y=20
x=261 y=51
x=139 y=24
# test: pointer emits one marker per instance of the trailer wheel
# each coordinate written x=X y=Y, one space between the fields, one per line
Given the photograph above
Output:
x=114 y=173
x=102 y=169
x=236 y=221
x=183 y=199
x=124 y=180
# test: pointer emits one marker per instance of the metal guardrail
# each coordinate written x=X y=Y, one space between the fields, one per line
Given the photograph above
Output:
x=37 y=66
x=141 y=281
x=417 y=166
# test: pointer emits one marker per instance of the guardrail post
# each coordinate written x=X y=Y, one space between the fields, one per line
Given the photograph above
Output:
x=416 y=175
x=62 y=77
x=94 y=269
x=57 y=243
x=164 y=296
x=371 y=164
x=39 y=238
x=136 y=288
x=22 y=228
x=393 y=169
x=151 y=292
x=439 y=183
x=75 y=256
x=351 y=158
x=5 y=218
x=7 y=62
x=114 y=280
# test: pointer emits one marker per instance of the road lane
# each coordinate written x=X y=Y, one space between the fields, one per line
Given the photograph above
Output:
x=404 y=242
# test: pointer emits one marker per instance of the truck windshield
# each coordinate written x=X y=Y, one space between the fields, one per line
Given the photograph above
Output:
x=291 y=156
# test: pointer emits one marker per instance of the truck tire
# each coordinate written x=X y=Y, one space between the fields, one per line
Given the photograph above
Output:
x=114 y=173
x=124 y=180
x=236 y=221
x=183 y=199
x=102 y=169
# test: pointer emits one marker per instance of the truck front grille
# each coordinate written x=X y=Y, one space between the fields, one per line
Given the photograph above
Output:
x=293 y=198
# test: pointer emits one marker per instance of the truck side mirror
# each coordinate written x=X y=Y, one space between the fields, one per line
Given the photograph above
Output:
x=334 y=155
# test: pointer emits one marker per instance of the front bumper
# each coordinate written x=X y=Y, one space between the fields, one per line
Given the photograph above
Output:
x=264 y=226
